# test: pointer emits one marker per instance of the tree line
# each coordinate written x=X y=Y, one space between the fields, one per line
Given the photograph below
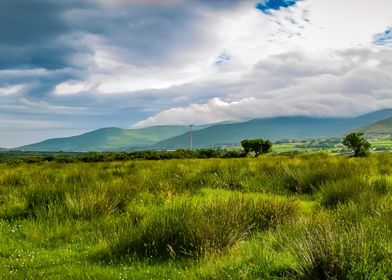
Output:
x=353 y=141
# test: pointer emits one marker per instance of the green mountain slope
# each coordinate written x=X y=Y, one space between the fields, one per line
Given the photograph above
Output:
x=273 y=129
x=105 y=139
x=228 y=133
x=380 y=127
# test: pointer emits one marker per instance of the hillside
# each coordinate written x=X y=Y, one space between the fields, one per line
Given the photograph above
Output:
x=273 y=129
x=108 y=139
x=220 y=134
x=379 y=128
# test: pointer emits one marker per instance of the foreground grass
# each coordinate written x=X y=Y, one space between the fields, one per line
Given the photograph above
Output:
x=274 y=217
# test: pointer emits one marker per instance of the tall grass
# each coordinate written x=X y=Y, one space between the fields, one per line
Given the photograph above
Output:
x=329 y=250
x=303 y=216
x=351 y=190
x=190 y=228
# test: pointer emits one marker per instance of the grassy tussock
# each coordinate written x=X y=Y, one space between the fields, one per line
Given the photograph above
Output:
x=190 y=228
x=351 y=190
x=328 y=250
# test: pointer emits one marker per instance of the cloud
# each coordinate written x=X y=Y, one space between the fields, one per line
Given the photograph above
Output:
x=112 y=46
x=32 y=32
x=348 y=83
x=215 y=110
x=10 y=89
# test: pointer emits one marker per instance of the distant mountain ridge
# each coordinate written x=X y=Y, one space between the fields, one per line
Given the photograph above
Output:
x=274 y=129
x=380 y=127
x=108 y=139
x=222 y=134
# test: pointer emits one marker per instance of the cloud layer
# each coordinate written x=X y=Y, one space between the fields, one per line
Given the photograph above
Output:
x=349 y=82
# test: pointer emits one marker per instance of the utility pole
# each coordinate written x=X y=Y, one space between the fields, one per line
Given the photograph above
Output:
x=190 y=137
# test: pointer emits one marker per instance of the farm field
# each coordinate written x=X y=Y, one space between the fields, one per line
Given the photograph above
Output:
x=297 y=147
x=332 y=146
x=382 y=145
x=310 y=216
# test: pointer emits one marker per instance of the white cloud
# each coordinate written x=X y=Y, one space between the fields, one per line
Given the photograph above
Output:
x=295 y=84
x=11 y=89
x=39 y=106
x=71 y=87
x=308 y=59
x=310 y=27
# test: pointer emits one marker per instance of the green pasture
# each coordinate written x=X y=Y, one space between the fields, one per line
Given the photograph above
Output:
x=309 y=216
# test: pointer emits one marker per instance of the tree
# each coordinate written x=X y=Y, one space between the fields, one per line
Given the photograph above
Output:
x=247 y=146
x=266 y=147
x=355 y=142
x=258 y=146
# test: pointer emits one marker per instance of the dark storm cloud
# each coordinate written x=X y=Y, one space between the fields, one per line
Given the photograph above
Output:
x=53 y=37
x=37 y=33
x=31 y=32
x=30 y=21
x=143 y=35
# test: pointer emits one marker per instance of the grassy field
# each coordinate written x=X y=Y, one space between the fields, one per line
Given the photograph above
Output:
x=329 y=145
x=382 y=145
x=296 y=147
x=312 y=216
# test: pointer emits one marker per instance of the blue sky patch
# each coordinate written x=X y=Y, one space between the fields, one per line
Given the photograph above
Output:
x=384 y=38
x=267 y=5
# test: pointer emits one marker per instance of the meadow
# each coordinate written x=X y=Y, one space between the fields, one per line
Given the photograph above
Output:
x=309 y=216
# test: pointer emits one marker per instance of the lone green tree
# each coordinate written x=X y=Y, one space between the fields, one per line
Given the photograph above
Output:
x=266 y=147
x=258 y=146
x=357 y=143
x=247 y=146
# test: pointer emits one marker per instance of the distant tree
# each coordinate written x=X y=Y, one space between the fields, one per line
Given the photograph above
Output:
x=359 y=145
x=247 y=146
x=258 y=146
x=266 y=147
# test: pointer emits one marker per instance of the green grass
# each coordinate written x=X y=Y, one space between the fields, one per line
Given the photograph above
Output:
x=382 y=145
x=385 y=143
x=312 y=216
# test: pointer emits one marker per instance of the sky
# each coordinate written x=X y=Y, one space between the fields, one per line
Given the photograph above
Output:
x=72 y=66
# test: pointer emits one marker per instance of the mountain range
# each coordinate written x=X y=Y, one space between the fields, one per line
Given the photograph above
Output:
x=380 y=127
x=216 y=135
x=108 y=139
